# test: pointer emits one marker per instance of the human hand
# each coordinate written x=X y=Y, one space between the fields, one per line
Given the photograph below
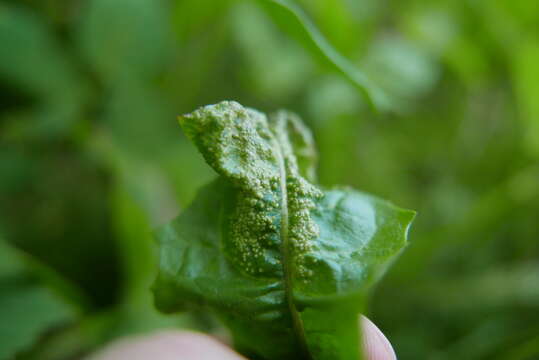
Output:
x=181 y=345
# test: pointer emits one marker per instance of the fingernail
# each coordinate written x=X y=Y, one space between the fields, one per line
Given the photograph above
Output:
x=375 y=345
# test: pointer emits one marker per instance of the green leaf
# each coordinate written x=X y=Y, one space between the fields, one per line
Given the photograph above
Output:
x=33 y=63
x=403 y=70
x=125 y=39
x=29 y=47
x=291 y=16
x=27 y=312
x=283 y=263
x=28 y=308
x=281 y=67
x=526 y=82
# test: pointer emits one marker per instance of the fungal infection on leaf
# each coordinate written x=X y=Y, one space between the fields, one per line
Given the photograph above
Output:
x=255 y=153
x=284 y=263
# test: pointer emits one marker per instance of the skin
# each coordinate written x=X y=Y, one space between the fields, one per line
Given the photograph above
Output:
x=181 y=345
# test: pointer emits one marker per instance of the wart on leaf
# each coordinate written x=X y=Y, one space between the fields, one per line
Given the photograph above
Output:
x=256 y=155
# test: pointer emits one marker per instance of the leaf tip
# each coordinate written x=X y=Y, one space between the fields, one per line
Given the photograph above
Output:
x=406 y=218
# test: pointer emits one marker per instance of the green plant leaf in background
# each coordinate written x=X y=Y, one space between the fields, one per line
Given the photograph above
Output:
x=34 y=64
x=526 y=82
x=125 y=39
x=284 y=264
x=127 y=45
x=401 y=69
x=278 y=66
x=291 y=16
x=28 y=306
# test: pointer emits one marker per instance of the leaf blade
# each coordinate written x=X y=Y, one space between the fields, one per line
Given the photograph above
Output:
x=28 y=306
x=267 y=250
x=374 y=95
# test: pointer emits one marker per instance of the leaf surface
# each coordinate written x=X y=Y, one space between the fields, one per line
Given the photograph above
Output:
x=125 y=40
x=282 y=262
x=295 y=20
x=33 y=63
x=28 y=308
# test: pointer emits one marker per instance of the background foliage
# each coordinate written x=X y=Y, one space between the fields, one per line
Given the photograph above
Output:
x=91 y=156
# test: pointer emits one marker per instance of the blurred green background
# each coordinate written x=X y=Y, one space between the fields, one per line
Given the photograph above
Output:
x=91 y=156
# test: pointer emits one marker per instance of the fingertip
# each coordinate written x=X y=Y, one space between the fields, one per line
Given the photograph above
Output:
x=375 y=345
x=167 y=345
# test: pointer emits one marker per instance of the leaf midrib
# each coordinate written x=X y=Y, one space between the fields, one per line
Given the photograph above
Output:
x=287 y=261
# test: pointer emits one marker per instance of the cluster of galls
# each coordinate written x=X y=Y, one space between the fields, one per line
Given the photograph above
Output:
x=256 y=222
x=301 y=228
x=242 y=146
x=255 y=228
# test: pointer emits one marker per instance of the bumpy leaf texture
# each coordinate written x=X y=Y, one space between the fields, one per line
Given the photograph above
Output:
x=282 y=262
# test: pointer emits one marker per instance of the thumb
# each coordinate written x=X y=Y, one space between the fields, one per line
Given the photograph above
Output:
x=375 y=344
x=168 y=345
